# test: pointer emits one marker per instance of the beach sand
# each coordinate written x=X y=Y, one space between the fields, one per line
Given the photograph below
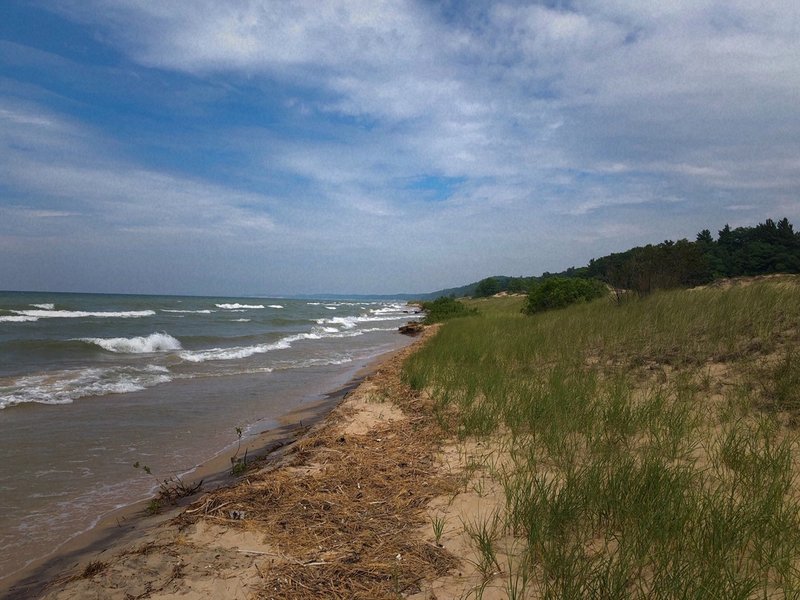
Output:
x=339 y=504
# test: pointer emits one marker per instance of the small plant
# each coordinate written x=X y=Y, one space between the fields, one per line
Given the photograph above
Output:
x=170 y=489
x=238 y=465
x=93 y=568
x=438 y=523
x=517 y=581
x=483 y=535
x=153 y=507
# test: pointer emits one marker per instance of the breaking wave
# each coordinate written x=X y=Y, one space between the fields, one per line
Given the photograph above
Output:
x=77 y=314
x=245 y=351
x=155 y=342
x=238 y=306
x=62 y=387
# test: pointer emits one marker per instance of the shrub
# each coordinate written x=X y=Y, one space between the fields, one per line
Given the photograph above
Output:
x=444 y=308
x=558 y=292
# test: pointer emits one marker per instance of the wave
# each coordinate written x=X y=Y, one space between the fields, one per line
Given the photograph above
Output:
x=236 y=306
x=345 y=322
x=352 y=322
x=240 y=320
x=315 y=362
x=206 y=311
x=155 y=342
x=386 y=310
x=236 y=352
x=17 y=319
x=45 y=306
x=77 y=314
x=275 y=306
x=63 y=387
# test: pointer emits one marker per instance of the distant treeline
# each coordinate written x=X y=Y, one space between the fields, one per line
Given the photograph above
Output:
x=768 y=247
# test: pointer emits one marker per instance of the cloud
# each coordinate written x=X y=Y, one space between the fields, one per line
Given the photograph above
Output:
x=567 y=120
x=63 y=167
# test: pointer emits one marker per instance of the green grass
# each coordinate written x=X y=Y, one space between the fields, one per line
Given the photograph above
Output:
x=628 y=479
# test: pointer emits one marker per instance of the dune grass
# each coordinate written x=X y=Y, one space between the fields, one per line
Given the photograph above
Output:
x=652 y=444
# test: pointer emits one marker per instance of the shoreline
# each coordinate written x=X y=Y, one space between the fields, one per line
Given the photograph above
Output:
x=126 y=524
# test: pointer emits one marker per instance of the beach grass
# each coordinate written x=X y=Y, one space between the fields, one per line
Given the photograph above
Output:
x=652 y=443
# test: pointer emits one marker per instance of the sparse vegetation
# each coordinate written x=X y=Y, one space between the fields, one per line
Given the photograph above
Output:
x=170 y=489
x=652 y=445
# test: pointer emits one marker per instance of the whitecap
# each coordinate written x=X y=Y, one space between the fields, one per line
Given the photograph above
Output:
x=275 y=306
x=236 y=305
x=45 y=306
x=345 y=322
x=240 y=320
x=392 y=308
x=351 y=322
x=236 y=352
x=155 y=342
x=77 y=314
x=62 y=387
x=17 y=319
x=194 y=312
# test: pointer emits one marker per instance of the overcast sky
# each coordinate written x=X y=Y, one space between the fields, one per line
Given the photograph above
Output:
x=246 y=147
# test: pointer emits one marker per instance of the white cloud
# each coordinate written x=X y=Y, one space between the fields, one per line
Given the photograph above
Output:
x=592 y=112
x=64 y=167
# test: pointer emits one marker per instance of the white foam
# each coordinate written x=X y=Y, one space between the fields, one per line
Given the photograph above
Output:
x=351 y=322
x=62 y=387
x=275 y=306
x=331 y=307
x=345 y=322
x=386 y=310
x=315 y=362
x=236 y=352
x=236 y=305
x=46 y=306
x=240 y=320
x=17 y=319
x=194 y=312
x=77 y=314
x=155 y=342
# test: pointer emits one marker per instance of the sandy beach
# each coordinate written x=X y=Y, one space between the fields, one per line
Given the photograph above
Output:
x=336 y=503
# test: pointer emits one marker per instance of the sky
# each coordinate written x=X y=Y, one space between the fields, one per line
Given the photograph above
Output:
x=376 y=147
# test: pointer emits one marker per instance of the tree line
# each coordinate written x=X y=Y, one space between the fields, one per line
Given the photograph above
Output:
x=769 y=247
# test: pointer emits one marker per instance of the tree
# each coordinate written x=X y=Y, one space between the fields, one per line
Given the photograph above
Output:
x=487 y=287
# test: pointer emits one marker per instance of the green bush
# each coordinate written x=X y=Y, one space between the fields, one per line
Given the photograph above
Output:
x=444 y=308
x=558 y=292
